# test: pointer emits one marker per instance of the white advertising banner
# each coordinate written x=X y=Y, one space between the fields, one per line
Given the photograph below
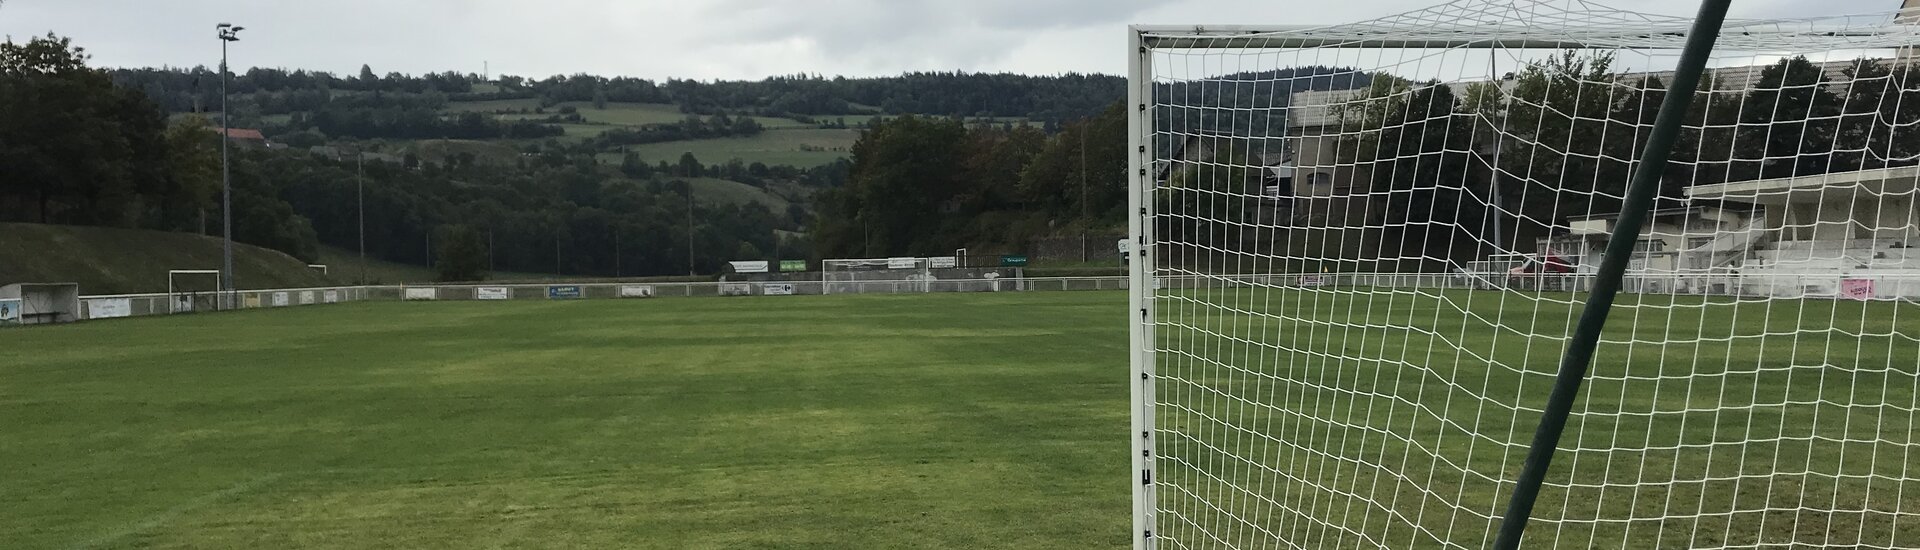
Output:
x=419 y=294
x=182 y=303
x=777 y=289
x=306 y=297
x=9 y=312
x=736 y=289
x=749 y=267
x=941 y=262
x=280 y=299
x=331 y=296
x=902 y=263
x=636 y=291
x=492 y=293
x=108 y=308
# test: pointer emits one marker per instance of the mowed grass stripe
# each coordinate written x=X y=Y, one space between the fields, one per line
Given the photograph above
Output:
x=863 y=421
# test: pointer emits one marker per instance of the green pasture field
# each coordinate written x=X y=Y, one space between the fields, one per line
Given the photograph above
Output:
x=923 y=421
x=772 y=147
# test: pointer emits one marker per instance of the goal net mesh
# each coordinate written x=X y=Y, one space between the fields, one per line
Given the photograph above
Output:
x=1371 y=242
x=871 y=275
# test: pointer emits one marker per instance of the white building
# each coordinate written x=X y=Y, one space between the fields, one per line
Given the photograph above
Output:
x=1841 y=233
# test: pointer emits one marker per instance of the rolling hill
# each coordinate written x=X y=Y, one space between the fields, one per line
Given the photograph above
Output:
x=105 y=260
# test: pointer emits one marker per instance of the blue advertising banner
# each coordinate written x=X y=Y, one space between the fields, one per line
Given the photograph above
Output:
x=563 y=292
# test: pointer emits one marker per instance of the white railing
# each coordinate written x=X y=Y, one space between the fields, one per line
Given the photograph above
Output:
x=1866 y=284
x=106 y=306
x=1858 y=284
x=160 y=303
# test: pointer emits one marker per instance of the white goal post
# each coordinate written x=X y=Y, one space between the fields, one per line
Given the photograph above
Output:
x=184 y=297
x=1362 y=252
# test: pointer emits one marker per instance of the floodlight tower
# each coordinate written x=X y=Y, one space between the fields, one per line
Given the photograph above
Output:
x=228 y=33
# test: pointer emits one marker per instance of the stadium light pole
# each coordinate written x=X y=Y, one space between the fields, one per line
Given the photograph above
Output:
x=690 y=271
x=360 y=197
x=227 y=33
x=1083 y=189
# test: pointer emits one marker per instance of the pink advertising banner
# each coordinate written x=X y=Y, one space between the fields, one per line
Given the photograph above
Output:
x=1856 y=289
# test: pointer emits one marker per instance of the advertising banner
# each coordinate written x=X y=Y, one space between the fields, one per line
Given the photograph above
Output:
x=1312 y=281
x=108 y=308
x=902 y=263
x=793 y=265
x=568 y=292
x=419 y=294
x=759 y=266
x=280 y=299
x=736 y=289
x=9 y=312
x=331 y=296
x=306 y=297
x=1856 y=289
x=492 y=293
x=1013 y=261
x=183 y=303
x=636 y=291
x=777 y=289
x=251 y=300
x=942 y=262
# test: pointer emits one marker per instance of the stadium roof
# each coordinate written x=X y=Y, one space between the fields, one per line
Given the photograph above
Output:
x=1872 y=183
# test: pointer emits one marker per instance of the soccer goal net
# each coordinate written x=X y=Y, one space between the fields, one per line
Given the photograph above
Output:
x=1366 y=247
x=875 y=275
x=190 y=290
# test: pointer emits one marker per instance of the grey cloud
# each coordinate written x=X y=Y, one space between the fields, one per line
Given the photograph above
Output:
x=692 y=38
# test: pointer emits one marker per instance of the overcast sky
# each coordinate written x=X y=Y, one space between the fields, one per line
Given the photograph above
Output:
x=703 y=39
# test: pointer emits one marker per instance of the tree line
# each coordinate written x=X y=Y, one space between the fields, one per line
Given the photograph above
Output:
x=693 y=127
x=77 y=149
x=259 y=92
x=926 y=186
x=1557 y=138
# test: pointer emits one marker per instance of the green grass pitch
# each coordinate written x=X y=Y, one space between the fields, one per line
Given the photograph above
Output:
x=936 y=421
x=956 y=420
x=1357 y=417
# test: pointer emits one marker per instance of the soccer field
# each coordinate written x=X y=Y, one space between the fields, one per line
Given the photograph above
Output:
x=925 y=421
x=1337 y=417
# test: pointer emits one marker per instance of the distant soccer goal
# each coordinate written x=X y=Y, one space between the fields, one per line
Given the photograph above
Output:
x=190 y=290
x=1365 y=253
x=908 y=274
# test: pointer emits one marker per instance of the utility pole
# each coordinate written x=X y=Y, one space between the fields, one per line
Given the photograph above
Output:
x=360 y=197
x=227 y=33
x=1083 y=190
x=690 y=271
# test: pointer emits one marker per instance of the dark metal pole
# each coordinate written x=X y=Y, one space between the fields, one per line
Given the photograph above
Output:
x=1644 y=186
x=360 y=197
x=226 y=183
x=1084 y=128
x=690 y=271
